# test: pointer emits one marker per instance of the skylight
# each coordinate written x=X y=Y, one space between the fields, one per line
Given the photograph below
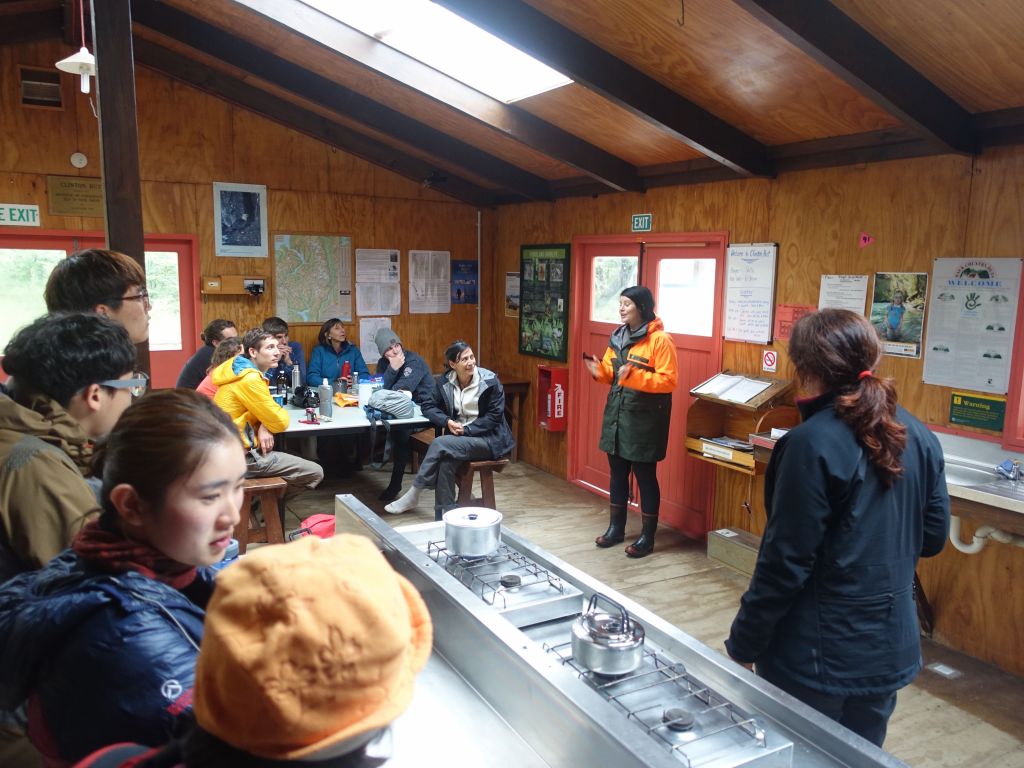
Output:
x=447 y=42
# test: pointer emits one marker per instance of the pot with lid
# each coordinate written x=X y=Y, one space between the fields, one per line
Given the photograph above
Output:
x=607 y=643
x=472 y=531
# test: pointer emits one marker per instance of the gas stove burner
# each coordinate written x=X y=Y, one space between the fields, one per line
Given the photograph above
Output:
x=510 y=581
x=676 y=719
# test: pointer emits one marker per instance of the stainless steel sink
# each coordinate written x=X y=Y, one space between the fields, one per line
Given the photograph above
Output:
x=970 y=476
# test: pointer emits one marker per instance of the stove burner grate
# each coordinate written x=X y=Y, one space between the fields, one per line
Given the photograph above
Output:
x=682 y=698
x=498 y=575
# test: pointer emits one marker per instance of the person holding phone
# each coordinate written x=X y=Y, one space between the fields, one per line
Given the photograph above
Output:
x=640 y=364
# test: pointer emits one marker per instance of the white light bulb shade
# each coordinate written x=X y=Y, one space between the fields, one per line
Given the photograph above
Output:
x=81 y=63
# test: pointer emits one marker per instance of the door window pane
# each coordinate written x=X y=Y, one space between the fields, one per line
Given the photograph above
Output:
x=165 y=317
x=686 y=295
x=611 y=274
x=25 y=271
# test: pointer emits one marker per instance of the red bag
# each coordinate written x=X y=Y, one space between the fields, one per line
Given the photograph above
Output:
x=315 y=525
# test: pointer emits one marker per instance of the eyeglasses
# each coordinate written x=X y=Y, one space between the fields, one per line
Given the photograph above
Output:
x=142 y=296
x=136 y=385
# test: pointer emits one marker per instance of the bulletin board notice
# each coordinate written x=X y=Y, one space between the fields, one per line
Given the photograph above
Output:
x=750 y=291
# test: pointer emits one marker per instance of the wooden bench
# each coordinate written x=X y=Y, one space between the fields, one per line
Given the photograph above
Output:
x=420 y=442
x=268 y=490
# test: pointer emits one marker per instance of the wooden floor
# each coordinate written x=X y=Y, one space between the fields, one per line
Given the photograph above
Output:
x=975 y=720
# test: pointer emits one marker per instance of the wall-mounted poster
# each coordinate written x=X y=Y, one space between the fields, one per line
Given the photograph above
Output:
x=313 y=277
x=464 y=282
x=897 y=311
x=544 y=301
x=240 y=219
x=972 y=323
x=511 y=294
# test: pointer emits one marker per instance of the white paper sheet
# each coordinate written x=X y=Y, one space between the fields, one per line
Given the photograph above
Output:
x=430 y=282
x=379 y=298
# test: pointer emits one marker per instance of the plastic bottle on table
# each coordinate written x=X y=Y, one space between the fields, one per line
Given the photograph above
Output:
x=326 y=399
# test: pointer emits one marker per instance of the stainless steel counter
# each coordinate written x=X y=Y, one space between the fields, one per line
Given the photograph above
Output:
x=556 y=709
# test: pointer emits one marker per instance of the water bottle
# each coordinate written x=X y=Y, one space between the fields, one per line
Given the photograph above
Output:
x=346 y=369
x=355 y=382
x=296 y=379
x=326 y=399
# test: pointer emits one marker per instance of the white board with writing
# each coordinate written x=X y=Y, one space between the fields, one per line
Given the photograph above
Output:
x=750 y=291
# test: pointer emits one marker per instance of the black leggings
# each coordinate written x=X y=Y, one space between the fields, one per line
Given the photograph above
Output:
x=646 y=474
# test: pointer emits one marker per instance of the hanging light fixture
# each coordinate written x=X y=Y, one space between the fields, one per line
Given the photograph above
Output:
x=82 y=63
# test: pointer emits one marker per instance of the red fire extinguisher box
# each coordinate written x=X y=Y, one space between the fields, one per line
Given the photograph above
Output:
x=552 y=410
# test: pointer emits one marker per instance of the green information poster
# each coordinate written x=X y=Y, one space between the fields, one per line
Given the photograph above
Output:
x=544 y=301
x=980 y=411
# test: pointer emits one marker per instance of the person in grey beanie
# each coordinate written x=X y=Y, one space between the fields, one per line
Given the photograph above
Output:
x=406 y=371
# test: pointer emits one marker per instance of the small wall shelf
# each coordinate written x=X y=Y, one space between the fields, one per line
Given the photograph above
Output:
x=710 y=416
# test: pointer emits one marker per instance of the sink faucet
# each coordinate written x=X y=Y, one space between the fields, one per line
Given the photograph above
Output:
x=1009 y=469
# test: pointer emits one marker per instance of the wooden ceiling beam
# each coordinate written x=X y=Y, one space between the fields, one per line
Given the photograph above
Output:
x=230 y=89
x=836 y=42
x=562 y=49
x=267 y=66
x=509 y=120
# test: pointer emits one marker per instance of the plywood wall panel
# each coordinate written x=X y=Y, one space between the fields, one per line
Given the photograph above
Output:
x=264 y=152
x=34 y=139
x=183 y=132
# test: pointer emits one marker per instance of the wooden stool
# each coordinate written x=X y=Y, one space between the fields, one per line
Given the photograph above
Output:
x=268 y=490
x=486 y=470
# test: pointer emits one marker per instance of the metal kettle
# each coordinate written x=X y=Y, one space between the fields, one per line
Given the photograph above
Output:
x=607 y=643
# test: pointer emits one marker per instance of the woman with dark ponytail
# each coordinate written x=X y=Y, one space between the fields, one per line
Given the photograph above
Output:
x=854 y=496
x=102 y=642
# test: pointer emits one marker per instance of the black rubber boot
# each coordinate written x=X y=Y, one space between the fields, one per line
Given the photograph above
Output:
x=644 y=545
x=616 y=532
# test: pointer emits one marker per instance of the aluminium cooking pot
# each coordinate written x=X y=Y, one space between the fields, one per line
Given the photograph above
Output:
x=607 y=643
x=472 y=531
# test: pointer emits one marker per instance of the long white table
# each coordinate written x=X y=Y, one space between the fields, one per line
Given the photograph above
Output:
x=344 y=421
x=348 y=421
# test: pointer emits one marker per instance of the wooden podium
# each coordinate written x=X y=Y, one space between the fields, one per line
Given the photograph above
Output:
x=714 y=416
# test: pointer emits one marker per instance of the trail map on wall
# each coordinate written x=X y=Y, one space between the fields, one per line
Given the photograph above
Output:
x=313 y=277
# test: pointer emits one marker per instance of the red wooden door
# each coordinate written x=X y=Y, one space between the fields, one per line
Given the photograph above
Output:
x=685 y=273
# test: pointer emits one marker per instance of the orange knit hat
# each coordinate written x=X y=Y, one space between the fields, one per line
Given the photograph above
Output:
x=307 y=645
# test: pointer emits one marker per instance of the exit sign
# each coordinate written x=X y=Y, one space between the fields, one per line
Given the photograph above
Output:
x=642 y=222
x=14 y=215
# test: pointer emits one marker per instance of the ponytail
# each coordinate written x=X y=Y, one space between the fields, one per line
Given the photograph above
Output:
x=840 y=349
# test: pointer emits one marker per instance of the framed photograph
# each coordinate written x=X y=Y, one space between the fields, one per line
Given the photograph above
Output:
x=240 y=219
x=544 y=301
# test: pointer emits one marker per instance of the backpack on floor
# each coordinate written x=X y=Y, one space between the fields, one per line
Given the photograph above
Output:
x=314 y=525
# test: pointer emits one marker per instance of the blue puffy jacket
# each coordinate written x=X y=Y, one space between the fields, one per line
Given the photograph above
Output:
x=101 y=658
x=325 y=363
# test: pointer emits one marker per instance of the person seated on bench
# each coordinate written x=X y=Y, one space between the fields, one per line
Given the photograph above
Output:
x=404 y=371
x=102 y=642
x=468 y=404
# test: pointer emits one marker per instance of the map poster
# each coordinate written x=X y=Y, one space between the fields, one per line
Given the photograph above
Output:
x=313 y=277
x=544 y=301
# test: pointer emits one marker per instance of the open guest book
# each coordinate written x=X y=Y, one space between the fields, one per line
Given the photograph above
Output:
x=735 y=389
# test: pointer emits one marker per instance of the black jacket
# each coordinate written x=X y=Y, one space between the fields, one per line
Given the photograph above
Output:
x=194 y=371
x=831 y=601
x=490 y=424
x=414 y=376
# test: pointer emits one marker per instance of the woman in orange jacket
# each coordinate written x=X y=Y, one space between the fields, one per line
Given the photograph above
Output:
x=640 y=364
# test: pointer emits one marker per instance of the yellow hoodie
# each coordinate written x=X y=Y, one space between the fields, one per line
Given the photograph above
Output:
x=244 y=394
